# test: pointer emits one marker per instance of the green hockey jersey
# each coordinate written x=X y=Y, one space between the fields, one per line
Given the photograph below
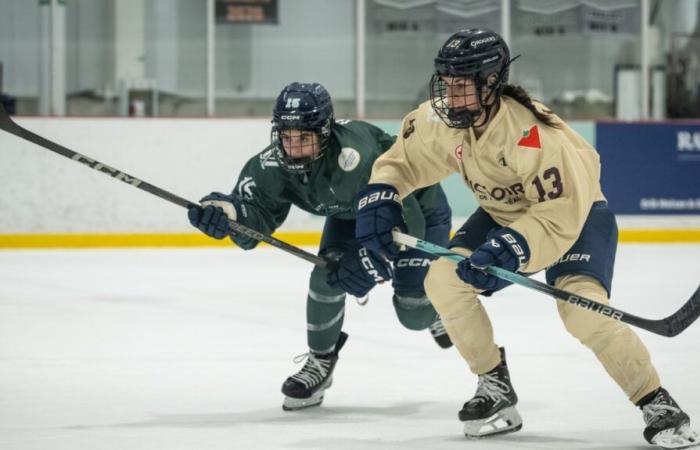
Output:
x=268 y=191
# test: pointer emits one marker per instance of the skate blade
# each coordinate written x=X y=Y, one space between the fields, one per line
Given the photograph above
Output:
x=293 y=404
x=683 y=437
x=504 y=421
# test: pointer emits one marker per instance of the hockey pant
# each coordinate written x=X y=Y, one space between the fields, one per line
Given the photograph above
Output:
x=617 y=347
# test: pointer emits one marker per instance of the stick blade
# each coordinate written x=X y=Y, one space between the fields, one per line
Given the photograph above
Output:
x=684 y=317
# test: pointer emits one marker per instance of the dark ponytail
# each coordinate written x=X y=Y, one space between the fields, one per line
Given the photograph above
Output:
x=521 y=96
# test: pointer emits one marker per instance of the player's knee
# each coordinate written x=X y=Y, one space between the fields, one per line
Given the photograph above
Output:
x=584 y=325
x=318 y=282
x=436 y=280
x=414 y=312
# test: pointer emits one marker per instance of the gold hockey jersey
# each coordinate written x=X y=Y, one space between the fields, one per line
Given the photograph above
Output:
x=539 y=180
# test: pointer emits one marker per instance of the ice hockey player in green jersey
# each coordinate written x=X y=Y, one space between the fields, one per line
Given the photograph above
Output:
x=318 y=164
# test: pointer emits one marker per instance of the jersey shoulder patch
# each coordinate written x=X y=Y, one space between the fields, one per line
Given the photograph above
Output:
x=530 y=138
x=348 y=159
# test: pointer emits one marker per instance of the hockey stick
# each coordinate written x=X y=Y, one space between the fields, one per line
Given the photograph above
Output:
x=7 y=124
x=669 y=326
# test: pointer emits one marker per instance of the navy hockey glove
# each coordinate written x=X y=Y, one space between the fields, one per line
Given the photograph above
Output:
x=358 y=271
x=377 y=212
x=505 y=248
x=213 y=216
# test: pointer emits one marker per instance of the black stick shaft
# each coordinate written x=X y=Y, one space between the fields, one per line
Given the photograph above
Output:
x=7 y=124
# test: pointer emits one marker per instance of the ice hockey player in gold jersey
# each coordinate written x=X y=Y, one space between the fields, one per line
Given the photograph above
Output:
x=541 y=208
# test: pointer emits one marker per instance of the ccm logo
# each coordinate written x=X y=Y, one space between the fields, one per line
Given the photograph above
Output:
x=413 y=262
x=376 y=196
x=368 y=266
x=121 y=176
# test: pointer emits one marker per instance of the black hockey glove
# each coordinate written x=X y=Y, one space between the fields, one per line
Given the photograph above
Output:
x=505 y=248
x=213 y=216
x=378 y=211
x=358 y=271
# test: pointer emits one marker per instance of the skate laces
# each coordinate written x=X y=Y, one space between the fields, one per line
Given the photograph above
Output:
x=658 y=408
x=314 y=371
x=491 y=388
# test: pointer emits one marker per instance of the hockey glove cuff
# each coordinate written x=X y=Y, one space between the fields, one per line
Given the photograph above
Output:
x=378 y=211
x=214 y=213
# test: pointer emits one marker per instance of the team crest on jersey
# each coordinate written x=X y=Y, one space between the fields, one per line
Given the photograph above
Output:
x=268 y=159
x=348 y=159
x=531 y=138
x=245 y=187
x=458 y=152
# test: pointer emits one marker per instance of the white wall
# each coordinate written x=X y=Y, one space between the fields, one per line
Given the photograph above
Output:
x=43 y=192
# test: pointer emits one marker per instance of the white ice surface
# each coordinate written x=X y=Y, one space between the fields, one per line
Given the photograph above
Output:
x=187 y=349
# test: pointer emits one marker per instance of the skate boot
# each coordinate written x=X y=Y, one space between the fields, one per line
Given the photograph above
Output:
x=306 y=387
x=439 y=333
x=492 y=409
x=667 y=425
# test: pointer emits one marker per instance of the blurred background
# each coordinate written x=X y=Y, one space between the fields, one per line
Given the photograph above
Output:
x=179 y=93
x=588 y=59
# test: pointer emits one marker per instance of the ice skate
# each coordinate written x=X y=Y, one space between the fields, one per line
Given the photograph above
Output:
x=492 y=409
x=439 y=333
x=667 y=425
x=307 y=387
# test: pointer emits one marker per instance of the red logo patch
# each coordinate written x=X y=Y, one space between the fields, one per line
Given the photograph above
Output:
x=531 y=138
x=458 y=152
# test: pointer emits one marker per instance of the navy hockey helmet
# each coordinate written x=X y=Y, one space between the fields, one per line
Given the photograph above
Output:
x=306 y=107
x=477 y=55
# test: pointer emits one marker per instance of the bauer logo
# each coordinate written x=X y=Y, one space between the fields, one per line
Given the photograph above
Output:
x=377 y=196
x=348 y=159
